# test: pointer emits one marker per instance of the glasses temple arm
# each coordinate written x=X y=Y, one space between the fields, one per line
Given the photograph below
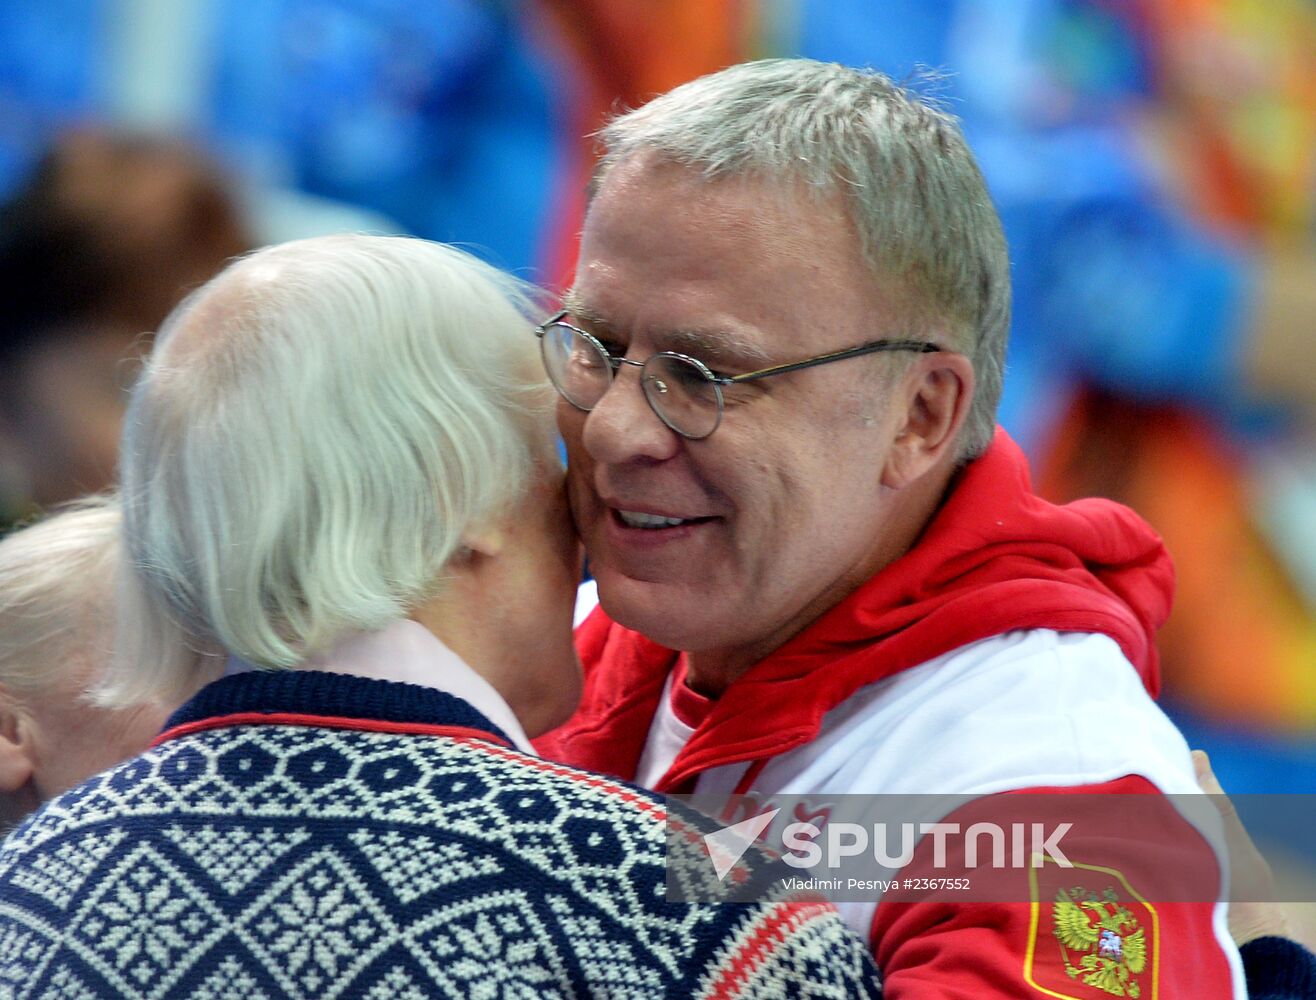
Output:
x=853 y=352
x=542 y=328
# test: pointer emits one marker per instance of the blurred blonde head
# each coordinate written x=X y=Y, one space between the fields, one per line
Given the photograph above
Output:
x=57 y=581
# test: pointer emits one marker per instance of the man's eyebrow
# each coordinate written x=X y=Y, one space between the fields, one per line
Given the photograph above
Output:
x=720 y=345
x=716 y=346
x=577 y=310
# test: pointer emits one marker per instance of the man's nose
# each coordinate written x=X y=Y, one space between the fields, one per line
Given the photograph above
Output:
x=623 y=426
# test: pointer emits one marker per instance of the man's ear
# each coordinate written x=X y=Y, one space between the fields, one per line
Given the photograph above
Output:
x=482 y=540
x=16 y=750
x=936 y=392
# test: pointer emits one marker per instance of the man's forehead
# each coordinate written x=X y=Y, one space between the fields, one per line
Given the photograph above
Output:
x=750 y=268
x=779 y=201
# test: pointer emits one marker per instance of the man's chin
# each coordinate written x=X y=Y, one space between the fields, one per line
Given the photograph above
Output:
x=658 y=610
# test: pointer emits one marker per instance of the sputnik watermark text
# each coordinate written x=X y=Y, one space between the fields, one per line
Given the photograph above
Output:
x=1009 y=846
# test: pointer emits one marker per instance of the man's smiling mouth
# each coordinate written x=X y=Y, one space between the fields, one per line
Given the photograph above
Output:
x=634 y=519
x=653 y=522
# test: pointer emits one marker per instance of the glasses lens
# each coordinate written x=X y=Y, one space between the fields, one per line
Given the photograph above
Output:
x=575 y=365
x=683 y=395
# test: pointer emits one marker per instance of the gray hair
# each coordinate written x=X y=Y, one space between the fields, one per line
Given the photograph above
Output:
x=57 y=597
x=314 y=433
x=914 y=192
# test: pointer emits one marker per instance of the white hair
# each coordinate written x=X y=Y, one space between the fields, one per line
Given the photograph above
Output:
x=57 y=597
x=315 y=431
x=910 y=183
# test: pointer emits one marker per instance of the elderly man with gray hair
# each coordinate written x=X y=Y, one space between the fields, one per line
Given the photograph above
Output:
x=821 y=567
x=57 y=579
x=339 y=472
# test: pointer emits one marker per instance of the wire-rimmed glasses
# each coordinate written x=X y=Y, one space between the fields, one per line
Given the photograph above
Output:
x=682 y=391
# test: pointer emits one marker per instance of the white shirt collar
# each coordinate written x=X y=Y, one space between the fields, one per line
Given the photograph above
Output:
x=407 y=651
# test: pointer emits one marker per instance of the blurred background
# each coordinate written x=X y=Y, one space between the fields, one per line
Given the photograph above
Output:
x=1154 y=162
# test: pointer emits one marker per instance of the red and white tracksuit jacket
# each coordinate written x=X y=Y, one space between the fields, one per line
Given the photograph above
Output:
x=1010 y=650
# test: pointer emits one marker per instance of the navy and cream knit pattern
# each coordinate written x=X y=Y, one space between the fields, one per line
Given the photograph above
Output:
x=312 y=835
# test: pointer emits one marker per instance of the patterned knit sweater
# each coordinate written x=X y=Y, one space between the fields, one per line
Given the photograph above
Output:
x=306 y=835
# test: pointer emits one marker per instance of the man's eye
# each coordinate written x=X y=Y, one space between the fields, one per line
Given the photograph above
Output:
x=689 y=376
x=613 y=348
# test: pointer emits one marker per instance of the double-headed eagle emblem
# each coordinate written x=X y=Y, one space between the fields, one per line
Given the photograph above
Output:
x=1100 y=941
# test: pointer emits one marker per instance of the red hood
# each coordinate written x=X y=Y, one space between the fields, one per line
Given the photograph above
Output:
x=994 y=558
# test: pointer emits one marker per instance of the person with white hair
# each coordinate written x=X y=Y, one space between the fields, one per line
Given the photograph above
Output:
x=57 y=579
x=339 y=472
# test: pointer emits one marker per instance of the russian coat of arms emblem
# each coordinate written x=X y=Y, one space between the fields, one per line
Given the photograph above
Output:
x=1101 y=942
x=1091 y=934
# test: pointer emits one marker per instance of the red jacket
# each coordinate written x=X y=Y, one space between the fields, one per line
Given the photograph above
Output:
x=995 y=558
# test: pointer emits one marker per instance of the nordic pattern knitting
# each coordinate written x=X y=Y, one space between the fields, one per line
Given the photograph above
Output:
x=272 y=861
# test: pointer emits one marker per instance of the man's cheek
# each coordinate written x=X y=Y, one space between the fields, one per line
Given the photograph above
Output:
x=580 y=501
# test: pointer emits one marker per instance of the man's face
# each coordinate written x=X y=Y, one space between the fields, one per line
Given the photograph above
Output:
x=781 y=511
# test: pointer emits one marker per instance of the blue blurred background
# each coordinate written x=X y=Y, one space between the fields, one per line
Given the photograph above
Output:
x=1154 y=162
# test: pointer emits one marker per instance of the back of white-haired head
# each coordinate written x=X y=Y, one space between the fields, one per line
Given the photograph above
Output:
x=912 y=188
x=57 y=598
x=314 y=433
